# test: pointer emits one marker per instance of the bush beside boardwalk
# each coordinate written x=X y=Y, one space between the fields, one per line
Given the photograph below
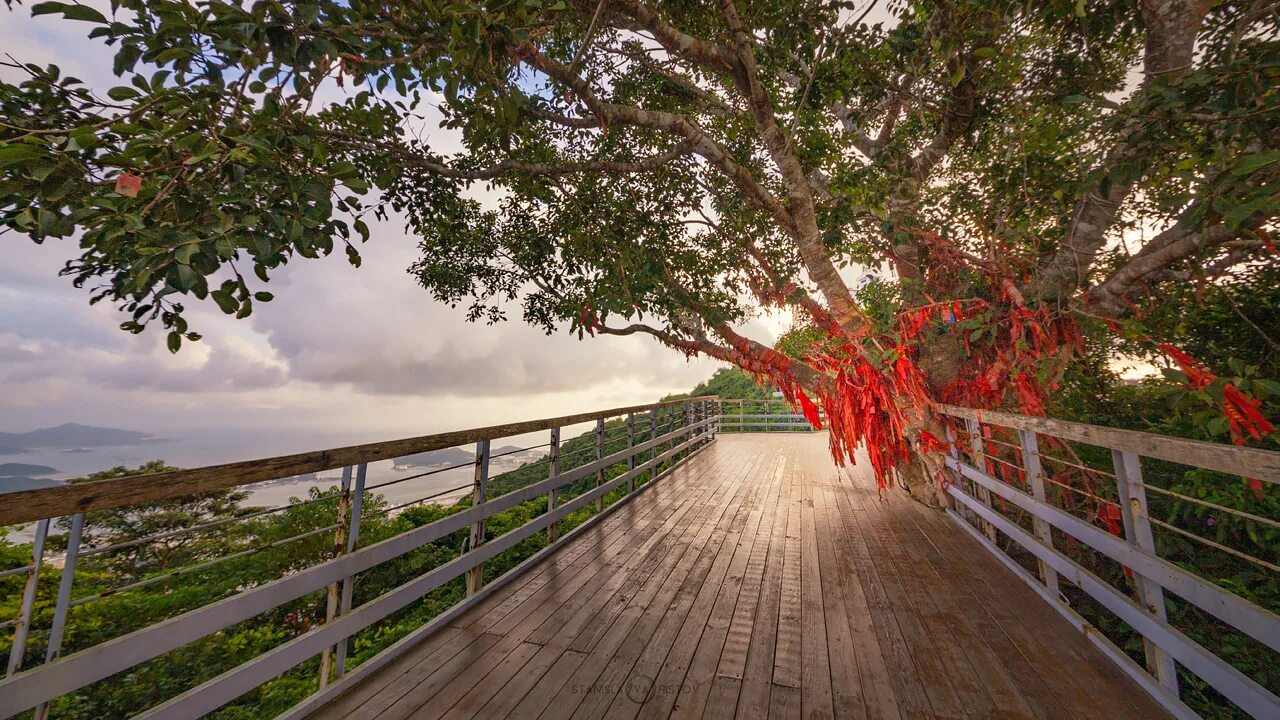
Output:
x=269 y=554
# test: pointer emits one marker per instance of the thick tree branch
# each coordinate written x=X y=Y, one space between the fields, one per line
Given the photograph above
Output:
x=410 y=157
x=633 y=14
x=703 y=144
x=1113 y=296
x=1171 y=30
x=808 y=235
x=808 y=378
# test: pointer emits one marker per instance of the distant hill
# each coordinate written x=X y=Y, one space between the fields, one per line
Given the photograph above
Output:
x=433 y=458
x=8 y=470
x=448 y=456
x=729 y=383
x=68 y=436
x=14 y=484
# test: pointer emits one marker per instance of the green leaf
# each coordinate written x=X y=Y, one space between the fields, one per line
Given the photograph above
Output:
x=71 y=12
x=1266 y=388
x=18 y=152
x=186 y=278
x=174 y=342
x=123 y=92
x=226 y=302
x=1250 y=163
x=1217 y=426
x=263 y=296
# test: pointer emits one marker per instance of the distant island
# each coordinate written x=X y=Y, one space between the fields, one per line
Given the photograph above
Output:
x=25 y=476
x=8 y=470
x=68 y=436
x=447 y=456
x=14 y=484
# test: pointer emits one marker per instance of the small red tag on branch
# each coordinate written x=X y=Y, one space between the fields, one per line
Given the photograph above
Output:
x=128 y=184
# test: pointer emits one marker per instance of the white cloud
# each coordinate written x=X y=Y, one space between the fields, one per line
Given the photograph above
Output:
x=357 y=353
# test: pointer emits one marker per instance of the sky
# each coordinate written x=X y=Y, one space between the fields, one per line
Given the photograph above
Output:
x=340 y=354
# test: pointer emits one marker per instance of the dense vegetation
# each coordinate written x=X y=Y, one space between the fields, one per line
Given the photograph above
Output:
x=1026 y=178
x=181 y=572
x=1234 y=325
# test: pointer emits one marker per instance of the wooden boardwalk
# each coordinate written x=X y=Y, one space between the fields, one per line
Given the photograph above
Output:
x=758 y=581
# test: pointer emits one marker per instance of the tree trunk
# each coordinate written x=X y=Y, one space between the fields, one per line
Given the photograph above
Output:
x=940 y=360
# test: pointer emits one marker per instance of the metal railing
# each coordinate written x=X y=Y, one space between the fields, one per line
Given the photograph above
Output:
x=1011 y=493
x=627 y=454
x=767 y=415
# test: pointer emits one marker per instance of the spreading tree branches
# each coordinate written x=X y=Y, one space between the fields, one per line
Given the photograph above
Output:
x=1010 y=176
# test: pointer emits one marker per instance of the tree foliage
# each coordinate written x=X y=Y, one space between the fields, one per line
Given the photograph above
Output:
x=1016 y=173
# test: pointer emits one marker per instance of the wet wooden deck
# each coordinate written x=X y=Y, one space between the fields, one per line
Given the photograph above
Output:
x=758 y=581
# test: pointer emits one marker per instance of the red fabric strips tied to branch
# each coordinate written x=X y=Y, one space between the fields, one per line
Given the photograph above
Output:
x=1241 y=411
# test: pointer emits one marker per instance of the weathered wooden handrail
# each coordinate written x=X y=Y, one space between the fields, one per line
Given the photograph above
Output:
x=687 y=433
x=29 y=505
x=1230 y=459
x=1136 y=550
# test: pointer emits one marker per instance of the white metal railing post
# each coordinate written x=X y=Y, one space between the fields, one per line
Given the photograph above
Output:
x=704 y=412
x=599 y=456
x=1137 y=530
x=23 y=624
x=691 y=419
x=475 y=576
x=553 y=459
x=957 y=478
x=339 y=547
x=348 y=582
x=1031 y=465
x=979 y=452
x=695 y=409
x=631 y=455
x=686 y=420
x=653 y=451
x=60 y=610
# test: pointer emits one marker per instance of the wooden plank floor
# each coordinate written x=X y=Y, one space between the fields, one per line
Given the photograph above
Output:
x=758 y=581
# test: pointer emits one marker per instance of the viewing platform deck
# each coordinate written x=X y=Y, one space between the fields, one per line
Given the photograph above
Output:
x=758 y=580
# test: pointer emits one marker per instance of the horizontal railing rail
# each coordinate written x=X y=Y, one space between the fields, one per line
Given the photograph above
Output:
x=761 y=415
x=30 y=505
x=997 y=496
x=669 y=434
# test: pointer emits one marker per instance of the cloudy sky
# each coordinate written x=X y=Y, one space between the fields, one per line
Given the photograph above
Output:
x=341 y=352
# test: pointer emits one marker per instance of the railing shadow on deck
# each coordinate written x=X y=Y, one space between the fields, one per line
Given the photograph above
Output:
x=622 y=452
x=1009 y=497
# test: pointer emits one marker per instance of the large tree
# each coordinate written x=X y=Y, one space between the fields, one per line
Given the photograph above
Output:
x=1014 y=175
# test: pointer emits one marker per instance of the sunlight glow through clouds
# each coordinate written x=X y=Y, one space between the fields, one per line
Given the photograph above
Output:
x=359 y=354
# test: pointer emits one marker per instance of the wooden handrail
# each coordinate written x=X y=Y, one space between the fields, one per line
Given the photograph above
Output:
x=29 y=505
x=1246 y=462
x=69 y=673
